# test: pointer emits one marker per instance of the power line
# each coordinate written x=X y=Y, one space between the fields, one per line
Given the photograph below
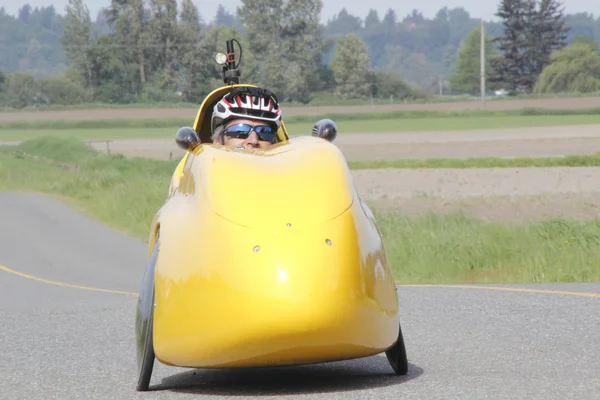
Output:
x=148 y=45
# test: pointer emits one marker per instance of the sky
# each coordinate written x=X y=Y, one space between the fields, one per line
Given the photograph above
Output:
x=476 y=8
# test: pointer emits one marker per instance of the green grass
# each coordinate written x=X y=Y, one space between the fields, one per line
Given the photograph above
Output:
x=592 y=160
x=304 y=128
x=120 y=192
x=318 y=101
x=125 y=193
x=138 y=122
x=456 y=249
x=92 y=134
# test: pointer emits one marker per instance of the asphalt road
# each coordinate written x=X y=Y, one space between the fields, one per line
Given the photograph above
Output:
x=61 y=342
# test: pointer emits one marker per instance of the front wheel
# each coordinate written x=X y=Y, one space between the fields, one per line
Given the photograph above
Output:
x=396 y=355
x=146 y=361
x=145 y=324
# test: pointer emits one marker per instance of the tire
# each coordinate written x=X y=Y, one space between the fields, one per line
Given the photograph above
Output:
x=146 y=364
x=396 y=355
x=145 y=324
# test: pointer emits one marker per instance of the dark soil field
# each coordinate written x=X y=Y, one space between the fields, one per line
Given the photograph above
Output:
x=497 y=105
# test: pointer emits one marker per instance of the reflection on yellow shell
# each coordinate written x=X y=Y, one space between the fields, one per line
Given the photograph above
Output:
x=269 y=257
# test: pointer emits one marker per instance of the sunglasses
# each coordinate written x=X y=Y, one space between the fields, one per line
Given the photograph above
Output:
x=242 y=131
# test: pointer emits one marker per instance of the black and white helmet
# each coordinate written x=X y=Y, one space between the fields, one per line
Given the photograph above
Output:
x=247 y=102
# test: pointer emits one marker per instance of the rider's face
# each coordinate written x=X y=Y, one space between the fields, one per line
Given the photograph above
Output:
x=252 y=141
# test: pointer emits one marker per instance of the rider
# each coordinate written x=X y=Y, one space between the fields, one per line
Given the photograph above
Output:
x=246 y=117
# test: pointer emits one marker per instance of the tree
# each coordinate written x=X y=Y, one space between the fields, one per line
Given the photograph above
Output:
x=438 y=31
x=582 y=24
x=223 y=17
x=372 y=19
x=389 y=84
x=165 y=37
x=508 y=70
x=586 y=40
x=286 y=35
x=25 y=13
x=466 y=78
x=449 y=56
x=415 y=17
x=416 y=68
x=460 y=24
x=350 y=66
x=343 y=23
x=129 y=20
x=33 y=61
x=115 y=76
x=191 y=22
x=78 y=39
x=20 y=90
x=390 y=18
x=531 y=34
x=575 y=69
x=191 y=59
x=546 y=32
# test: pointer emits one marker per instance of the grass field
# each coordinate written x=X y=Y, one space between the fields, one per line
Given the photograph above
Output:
x=327 y=100
x=95 y=131
x=159 y=118
x=428 y=249
x=488 y=162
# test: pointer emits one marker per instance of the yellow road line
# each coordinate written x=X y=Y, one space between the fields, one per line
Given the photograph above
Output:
x=510 y=289
x=35 y=278
x=507 y=289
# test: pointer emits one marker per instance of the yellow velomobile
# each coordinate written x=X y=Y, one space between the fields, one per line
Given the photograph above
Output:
x=264 y=257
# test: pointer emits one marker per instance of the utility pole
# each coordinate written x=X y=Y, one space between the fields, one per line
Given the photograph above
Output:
x=482 y=68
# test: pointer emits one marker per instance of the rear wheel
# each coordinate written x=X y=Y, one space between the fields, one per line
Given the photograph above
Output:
x=144 y=325
x=396 y=355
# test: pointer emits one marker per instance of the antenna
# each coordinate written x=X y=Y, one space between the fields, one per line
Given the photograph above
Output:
x=231 y=72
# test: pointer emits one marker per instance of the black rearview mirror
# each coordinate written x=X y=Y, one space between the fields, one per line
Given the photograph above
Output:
x=187 y=138
x=325 y=129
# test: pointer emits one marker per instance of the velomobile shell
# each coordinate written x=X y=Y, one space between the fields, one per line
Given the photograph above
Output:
x=269 y=257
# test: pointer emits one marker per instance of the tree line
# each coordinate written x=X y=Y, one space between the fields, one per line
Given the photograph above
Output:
x=156 y=50
x=537 y=52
